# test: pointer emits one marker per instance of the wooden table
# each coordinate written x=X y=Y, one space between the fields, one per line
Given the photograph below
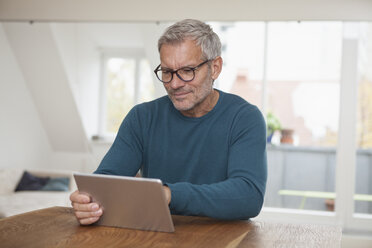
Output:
x=57 y=227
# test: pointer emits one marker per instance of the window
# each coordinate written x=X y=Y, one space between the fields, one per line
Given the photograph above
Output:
x=127 y=81
x=303 y=80
x=303 y=84
x=292 y=71
x=298 y=74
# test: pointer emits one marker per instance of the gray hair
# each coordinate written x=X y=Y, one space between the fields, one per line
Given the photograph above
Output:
x=195 y=30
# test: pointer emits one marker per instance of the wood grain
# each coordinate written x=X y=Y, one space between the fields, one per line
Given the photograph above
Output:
x=57 y=227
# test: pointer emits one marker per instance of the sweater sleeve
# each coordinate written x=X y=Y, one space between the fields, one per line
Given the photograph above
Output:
x=241 y=195
x=125 y=155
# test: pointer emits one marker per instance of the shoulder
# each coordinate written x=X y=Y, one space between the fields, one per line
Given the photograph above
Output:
x=161 y=101
x=151 y=107
x=241 y=114
x=246 y=120
x=143 y=114
x=237 y=105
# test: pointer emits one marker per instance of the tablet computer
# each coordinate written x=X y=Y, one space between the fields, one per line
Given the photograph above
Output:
x=129 y=202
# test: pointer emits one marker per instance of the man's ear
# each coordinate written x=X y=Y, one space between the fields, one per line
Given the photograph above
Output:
x=216 y=66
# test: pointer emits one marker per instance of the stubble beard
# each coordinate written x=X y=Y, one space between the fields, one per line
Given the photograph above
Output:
x=198 y=96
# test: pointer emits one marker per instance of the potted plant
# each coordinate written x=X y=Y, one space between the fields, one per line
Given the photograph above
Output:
x=272 y=124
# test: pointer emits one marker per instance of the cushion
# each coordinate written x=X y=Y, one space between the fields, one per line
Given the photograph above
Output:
x=57 y=184
x=31 y=182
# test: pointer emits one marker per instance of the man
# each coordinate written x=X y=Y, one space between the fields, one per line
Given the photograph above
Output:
x=208 y=147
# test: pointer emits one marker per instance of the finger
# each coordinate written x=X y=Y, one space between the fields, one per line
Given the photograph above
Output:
x=84 y=215
x=80 y=197
x=90 y=207
x=88 y=221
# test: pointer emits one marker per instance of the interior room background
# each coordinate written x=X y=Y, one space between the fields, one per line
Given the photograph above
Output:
x=66 y=85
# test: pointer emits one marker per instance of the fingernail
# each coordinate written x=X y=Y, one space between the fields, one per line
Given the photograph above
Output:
x=98 y=213
x=94 y=207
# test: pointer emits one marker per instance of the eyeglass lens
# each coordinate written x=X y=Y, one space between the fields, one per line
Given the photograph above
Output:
x=185 y=74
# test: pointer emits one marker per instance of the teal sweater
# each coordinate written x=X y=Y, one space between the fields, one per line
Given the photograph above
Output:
x=214 y=165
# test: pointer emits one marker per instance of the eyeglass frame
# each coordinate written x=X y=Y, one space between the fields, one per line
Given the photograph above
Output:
x=182 y=68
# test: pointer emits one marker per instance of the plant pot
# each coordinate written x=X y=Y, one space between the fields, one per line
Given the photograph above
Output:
x=286 y=136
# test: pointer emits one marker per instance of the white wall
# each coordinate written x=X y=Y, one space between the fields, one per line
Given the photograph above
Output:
x=23 y=141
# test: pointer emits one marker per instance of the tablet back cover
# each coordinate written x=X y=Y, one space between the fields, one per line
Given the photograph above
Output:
x=129 y=202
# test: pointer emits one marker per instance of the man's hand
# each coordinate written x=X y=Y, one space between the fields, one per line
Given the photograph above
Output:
x=168 y=194
x=86 y=211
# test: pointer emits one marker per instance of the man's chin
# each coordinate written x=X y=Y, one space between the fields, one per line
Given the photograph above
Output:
x=181 y=105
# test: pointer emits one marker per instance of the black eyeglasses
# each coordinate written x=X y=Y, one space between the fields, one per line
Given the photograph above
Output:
x=186 y=74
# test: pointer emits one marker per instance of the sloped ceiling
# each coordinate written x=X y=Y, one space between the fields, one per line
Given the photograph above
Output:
x=37 y=55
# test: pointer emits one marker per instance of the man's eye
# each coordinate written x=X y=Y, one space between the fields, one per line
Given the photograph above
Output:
x=186 y=70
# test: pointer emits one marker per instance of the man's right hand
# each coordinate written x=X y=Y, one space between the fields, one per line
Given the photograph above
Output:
x=86 y=211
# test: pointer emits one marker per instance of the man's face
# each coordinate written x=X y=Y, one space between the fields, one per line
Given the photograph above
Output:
x=187 y=97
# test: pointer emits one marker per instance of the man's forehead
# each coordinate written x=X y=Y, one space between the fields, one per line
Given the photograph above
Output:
x=176 y=43
x=180 y=54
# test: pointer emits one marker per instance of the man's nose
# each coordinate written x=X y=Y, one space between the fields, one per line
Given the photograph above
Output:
x=176 y=82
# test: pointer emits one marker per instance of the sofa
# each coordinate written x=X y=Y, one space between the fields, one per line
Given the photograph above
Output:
x=16 y=202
